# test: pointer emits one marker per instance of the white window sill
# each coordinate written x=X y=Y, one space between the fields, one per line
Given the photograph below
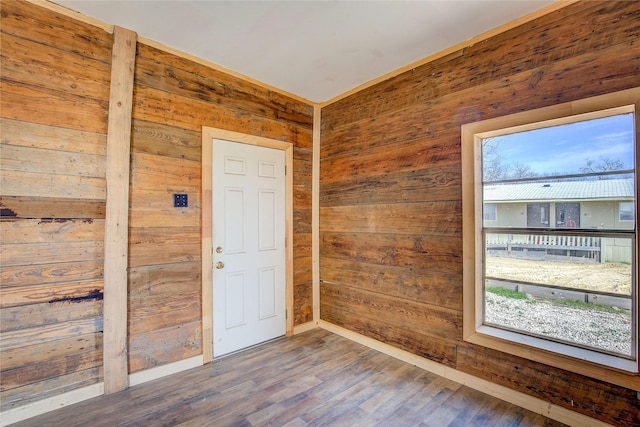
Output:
x=529 y=343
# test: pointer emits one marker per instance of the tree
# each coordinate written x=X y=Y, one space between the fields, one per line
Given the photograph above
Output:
x=605 y=164
x=493 y=167
x=519 y=170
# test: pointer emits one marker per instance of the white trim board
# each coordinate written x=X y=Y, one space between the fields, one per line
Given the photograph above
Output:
x=525 y=401
x=51 y=403
x=522 y=400
x=76 y=396
x=165 y=370
x=304 y=327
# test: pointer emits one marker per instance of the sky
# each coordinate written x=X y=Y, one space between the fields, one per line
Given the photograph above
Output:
x=565 y=149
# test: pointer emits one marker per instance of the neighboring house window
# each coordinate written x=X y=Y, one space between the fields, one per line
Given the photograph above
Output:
x=545 y=287
x=538 y=215
x=490 y=212
x=626 y=211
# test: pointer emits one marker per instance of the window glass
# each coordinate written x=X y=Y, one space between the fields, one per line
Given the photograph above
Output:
x=490 y=212
x=557 y=264
x=626 y=211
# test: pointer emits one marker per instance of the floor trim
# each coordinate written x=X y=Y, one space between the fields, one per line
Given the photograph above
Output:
x=533 y=404
x=51 y=403
x=76 y=396
x=304 y=327
x=165 y=370
x=525 y=401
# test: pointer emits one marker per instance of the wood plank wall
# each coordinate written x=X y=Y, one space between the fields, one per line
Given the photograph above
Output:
x=390 y=190
x=54 y=101
x=173 y=98
x=54 y=94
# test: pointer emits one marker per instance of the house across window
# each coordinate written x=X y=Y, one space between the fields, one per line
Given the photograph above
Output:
x=555 y=268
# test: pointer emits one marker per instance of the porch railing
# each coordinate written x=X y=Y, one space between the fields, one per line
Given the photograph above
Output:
x=510 y=242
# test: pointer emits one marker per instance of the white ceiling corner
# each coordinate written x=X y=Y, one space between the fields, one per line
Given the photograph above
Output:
x=316 y=50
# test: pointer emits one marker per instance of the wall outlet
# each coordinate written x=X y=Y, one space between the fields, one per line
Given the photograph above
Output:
x=180 y=200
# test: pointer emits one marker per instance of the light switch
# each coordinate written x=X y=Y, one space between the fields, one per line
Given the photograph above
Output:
x=180 y=200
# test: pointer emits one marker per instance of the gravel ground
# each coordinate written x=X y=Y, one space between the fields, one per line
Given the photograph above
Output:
x=607 y=330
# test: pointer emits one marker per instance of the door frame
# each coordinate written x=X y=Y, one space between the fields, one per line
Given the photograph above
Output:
x=208 y=134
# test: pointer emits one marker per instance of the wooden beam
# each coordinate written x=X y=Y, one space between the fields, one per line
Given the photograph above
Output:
x=117 y=210
x=315 y=214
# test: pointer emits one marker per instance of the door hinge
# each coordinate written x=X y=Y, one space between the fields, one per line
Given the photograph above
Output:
x=286 y=314
x=285 y=169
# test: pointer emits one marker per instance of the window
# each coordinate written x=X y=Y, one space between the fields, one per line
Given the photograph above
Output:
x=555 y=279
x=538 y=215
x=490 y=212
x=626 y=211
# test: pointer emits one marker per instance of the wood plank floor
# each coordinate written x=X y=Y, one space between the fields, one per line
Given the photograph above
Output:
x=312 y=379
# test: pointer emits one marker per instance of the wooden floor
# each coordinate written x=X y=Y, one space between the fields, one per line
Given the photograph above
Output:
x=313 y=379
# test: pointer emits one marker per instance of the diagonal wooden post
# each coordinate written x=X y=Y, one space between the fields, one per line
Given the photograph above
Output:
x=116 y=243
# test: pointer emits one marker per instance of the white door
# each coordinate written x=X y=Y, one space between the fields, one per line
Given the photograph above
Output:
x=248 y=232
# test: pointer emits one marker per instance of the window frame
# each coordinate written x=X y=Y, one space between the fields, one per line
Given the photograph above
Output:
x=601 y=366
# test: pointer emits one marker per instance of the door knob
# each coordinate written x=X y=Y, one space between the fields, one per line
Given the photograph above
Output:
x=219 y=249
x=219 y=265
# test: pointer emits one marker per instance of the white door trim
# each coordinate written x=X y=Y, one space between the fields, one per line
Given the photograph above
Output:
x=208 y=134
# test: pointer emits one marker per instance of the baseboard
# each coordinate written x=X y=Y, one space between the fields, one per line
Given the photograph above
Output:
x=525 y=401
x=75 y=396
x=522 y=400
x=51 y=403
x=305 y=327
x=164 y=370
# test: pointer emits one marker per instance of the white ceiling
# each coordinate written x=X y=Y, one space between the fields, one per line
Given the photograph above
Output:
x=314 y=49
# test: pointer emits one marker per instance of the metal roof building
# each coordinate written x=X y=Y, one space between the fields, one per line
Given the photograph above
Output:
x=595 y=189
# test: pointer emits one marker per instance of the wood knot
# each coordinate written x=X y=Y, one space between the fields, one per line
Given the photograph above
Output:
x=535 y=79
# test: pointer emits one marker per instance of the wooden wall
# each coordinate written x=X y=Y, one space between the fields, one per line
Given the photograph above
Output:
x=173 y=98
x=54 y=98
x=54 y=103
x=390 y=190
